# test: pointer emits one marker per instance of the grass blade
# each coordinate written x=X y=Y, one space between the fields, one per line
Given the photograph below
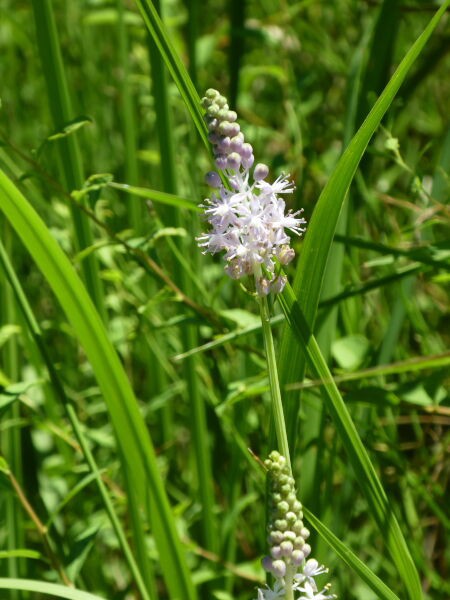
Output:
x=137 y=452
x=315 y=250
x=174 y=65
x=358 y=457
x=70 y=155
x=50 y=589
x=374 y=582
x=58 y=390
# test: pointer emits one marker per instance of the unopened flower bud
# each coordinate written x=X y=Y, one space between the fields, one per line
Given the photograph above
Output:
x=261 y=171
x=305 y=533
x=298 y=527
x=281 y=525
x=211 y=93
x=229 y=129
x=213 y=179
x=279 y=568
x=237 y=142
x=275 y=552
x=223 y=146
x=247 y=162
x=306 y=550
x=233 y=161
x=263 y=288
x=289 y=536
x=221 y=162
x=247 y=150
x=213 y=110
x=286 y=548
x=275 y=538
x=297 y=557
x=222 y=102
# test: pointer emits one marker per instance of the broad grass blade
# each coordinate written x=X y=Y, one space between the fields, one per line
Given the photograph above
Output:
x=135 y=446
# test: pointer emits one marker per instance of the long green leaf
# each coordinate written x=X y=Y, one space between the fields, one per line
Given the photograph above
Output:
x=316 y=248
x=174 y=65
x=166 y=57
x=374 y=582
x=357 y=454
x=51 y=589
x=136 y=448
x=70 y=155
x=157 y=196
x=315 y=251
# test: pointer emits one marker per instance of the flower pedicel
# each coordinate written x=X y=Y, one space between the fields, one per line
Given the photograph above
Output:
x=248 y=220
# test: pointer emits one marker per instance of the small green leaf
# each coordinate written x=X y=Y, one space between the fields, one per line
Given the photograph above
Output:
x=4 y=467
x=242 y=318
x=79 y=551
x=70 y=127
x=21 y=553
x=350 y=352
x=417 y=395
x=7 y=332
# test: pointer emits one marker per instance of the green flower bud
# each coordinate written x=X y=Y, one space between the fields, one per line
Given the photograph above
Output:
x=281 y=525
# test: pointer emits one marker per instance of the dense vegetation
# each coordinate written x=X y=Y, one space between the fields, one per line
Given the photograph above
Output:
x=126 y=421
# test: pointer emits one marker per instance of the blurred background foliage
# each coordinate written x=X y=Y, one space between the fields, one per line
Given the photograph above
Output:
x=302 y=76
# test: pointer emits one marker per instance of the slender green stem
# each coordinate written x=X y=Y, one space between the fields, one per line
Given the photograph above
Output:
x=288 y=583
x=11 y=445
x=274 y=385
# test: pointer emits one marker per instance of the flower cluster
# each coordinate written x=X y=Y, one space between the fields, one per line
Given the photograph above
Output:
x=248 y=216
x=287 y=537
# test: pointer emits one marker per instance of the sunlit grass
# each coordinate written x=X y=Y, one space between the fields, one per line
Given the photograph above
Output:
x=133 y=374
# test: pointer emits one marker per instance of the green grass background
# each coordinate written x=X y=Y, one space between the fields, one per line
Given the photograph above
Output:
x=132 y=374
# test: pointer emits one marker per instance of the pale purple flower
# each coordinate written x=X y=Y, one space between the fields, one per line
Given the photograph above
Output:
x=309 y=593
x=248 y=218
x=269 y=594
x=310 y=570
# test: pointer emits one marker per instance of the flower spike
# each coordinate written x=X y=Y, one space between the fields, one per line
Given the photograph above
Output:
x=248 y=219
x=287 y=535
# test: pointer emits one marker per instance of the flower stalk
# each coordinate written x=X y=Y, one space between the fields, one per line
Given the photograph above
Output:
x=249 y=223
x=274 y=384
